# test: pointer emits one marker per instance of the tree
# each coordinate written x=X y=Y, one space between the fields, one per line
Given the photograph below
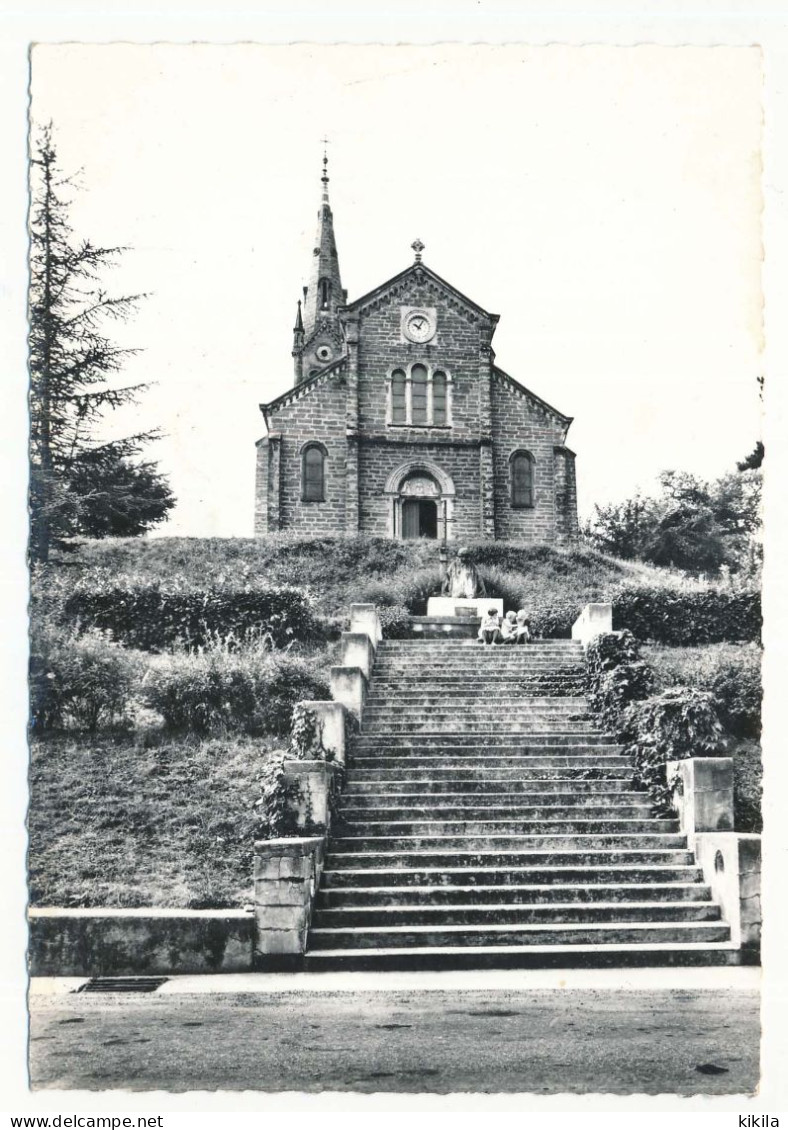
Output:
x=72 y=366
x=692 y=524
x=623 y=529
x=120 y=499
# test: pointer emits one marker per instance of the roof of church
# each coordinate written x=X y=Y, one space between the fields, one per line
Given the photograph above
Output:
x=303 y=386
x=498 y=372
x=419 y=269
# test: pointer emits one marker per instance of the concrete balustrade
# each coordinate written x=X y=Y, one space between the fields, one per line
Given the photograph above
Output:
x=286 y=876
x=331 y=718
x=357 y=650
x=287 y=871
x=595 y=620
x=349 y=686
x=731 y=863
x=364 y=618
x=703 y=794
x=313 y=781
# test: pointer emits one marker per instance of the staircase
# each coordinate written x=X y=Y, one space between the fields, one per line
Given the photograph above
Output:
x=486 y=823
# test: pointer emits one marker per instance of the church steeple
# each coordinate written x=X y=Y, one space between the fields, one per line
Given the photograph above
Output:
x=324 y=293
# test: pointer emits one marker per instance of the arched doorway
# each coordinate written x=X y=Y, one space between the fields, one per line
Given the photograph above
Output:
x=422 y=499
x=420 y=507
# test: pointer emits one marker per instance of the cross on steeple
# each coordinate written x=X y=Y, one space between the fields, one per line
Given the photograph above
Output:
x=418 y=247
x=324 y=177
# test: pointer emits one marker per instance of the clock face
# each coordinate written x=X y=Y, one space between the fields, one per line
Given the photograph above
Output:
x=419 y=325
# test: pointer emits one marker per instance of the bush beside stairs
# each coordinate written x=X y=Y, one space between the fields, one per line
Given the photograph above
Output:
x=485 y=822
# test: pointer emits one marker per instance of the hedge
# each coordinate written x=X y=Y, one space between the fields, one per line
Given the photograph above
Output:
x=684 y=619
x=152 y=617
x=218 y=691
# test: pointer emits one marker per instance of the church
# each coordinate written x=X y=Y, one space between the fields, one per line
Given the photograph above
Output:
x=399 y=423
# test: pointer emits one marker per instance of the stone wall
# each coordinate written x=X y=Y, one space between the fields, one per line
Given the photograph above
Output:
x=521 y=423
x=314 y=412
x=455 y=349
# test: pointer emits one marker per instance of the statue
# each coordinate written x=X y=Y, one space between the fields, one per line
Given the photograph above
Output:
x=462 y=579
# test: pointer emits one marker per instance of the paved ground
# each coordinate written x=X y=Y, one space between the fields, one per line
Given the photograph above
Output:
x=539 y=1040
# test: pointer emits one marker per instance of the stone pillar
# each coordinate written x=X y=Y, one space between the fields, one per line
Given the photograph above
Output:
x=364 y=618
x=565 y=486
x=313 y=781
x=351 y=424
x=286 y=875
x=731 y=864
x=357 y=651
x=703 y=795
x=262 y=474
x=486 y=466
x=595 y=620
x=275 y=484
x=487 y=488
x=349 y=686
x=331 y=718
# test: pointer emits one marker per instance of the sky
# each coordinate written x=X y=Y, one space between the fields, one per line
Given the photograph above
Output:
x=604 y=201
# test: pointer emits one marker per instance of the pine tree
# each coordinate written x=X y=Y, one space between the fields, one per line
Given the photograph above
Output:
x=72 y=366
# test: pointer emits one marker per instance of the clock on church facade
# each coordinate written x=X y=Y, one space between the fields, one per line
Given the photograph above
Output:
x=400 y=424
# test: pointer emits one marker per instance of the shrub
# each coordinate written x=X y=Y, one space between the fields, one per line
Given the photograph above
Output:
x=615 y=689
x=251 y=690
x=417 y=587
x=747 y=787
x=153 y=615
x=84 y=683
x=610 y=649
x=615 y=676
x=732 y=672
x=395 y=622
x=681 y=618
x=679 y=723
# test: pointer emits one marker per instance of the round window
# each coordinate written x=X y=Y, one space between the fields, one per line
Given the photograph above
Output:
x=324 y=353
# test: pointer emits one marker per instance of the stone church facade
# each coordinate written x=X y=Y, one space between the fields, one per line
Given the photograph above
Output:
x=400 y=424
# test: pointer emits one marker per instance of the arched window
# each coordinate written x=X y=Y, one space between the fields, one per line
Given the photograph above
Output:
x=325 y=291
x=313 y=473
x=521 y=478
x=398 y=405
x=418 y=394
x=419 y=397
x=439 y=398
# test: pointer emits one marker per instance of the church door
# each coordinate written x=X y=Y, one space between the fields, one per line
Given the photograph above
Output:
x=419 y=518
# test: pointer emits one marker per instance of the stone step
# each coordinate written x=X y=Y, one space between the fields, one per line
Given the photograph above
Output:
x=538 y=768
x=511 y=842
x=392 y=646
x=493 y=715
x=498 y=876
x=572 y=683
x=354 y=814
x=450 y=787
x=470 y=668
x=511 y=894
x=515 y=726
x=595 y=740
x=480 y=826
x=553 y=956
x=484 y=764
x=518 y=934
x=507 y=858
x=473 y=697
x=508 y=914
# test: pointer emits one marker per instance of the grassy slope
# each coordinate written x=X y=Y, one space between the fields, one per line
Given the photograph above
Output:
x=341 y=570
x=113 y=823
